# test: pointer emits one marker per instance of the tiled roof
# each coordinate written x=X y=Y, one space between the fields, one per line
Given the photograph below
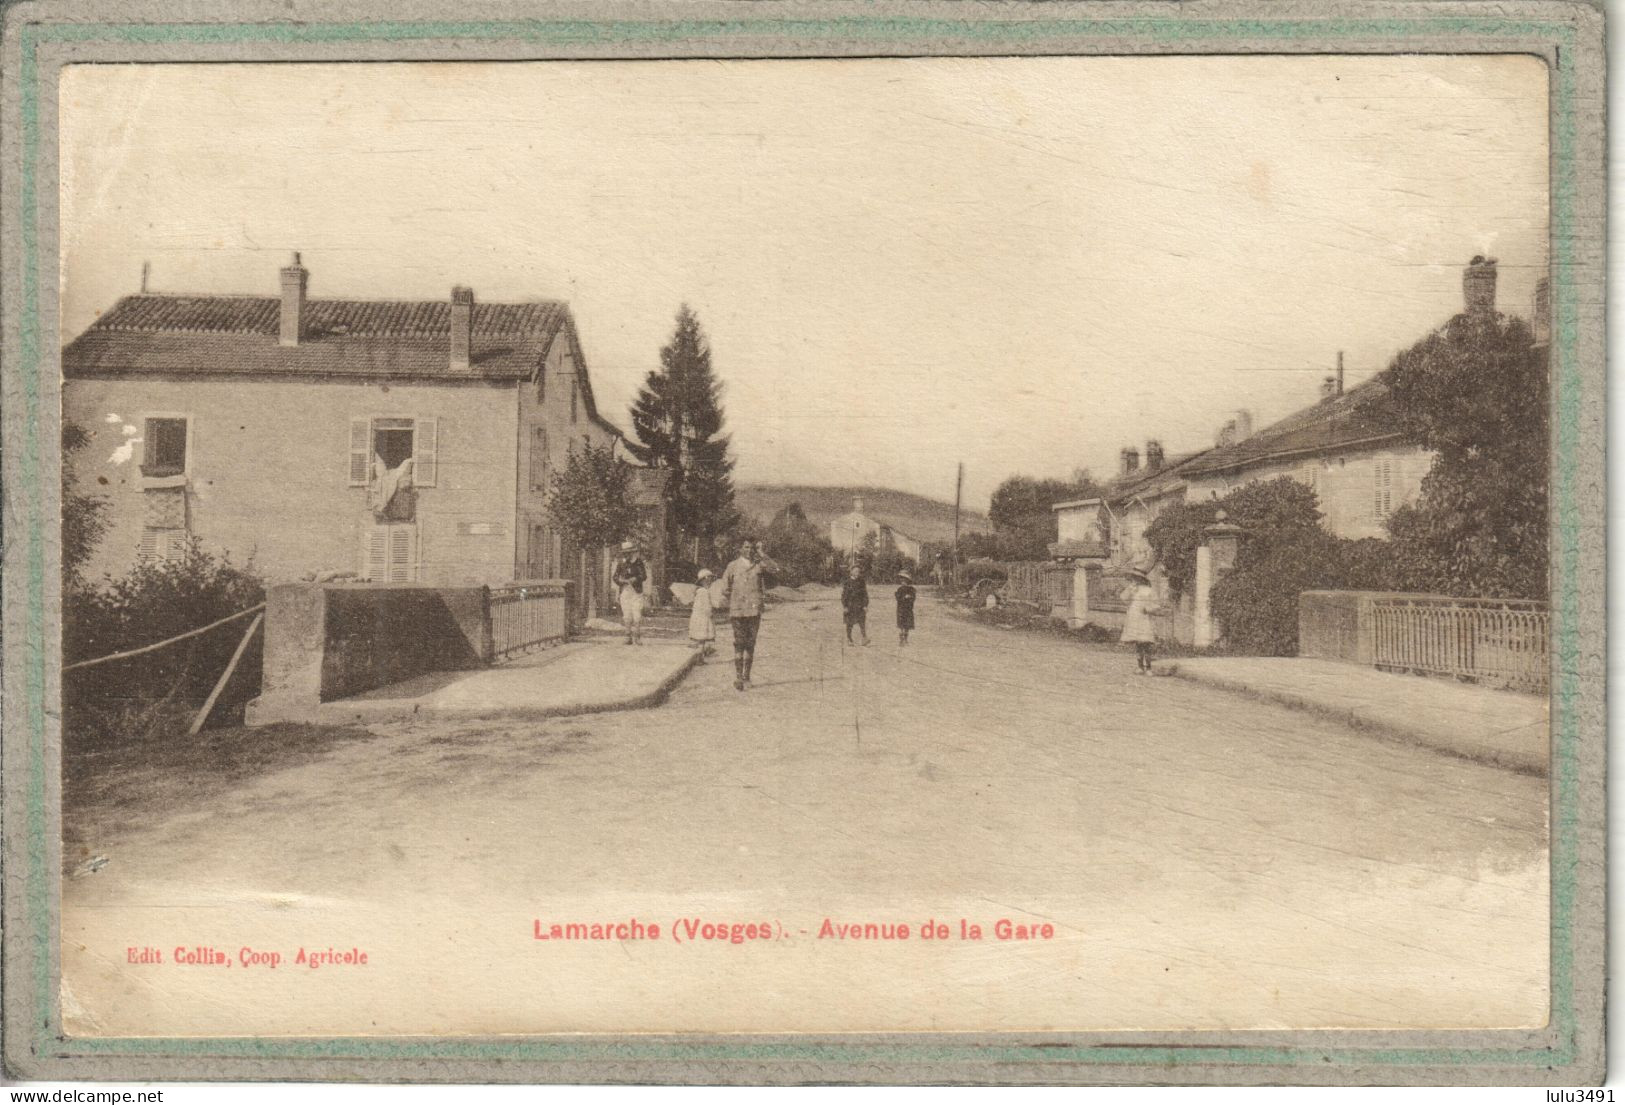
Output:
x=238 y=335
x=1364 y=413
x=1144 y=480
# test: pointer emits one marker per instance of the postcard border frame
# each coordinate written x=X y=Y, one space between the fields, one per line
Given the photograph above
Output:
x=39 y=39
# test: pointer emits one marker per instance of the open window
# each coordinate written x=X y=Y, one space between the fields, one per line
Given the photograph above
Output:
x=380 y=448
x=165 y=445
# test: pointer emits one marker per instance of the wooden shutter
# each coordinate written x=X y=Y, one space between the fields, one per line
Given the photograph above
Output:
x=403 y=553
x=147 y=551
x=1384 y=489
x=374 y=553
x=425 y=452
x=538 y=459
x=360 y=451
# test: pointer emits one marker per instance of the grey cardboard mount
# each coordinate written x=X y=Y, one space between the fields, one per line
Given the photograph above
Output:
x=41 y=38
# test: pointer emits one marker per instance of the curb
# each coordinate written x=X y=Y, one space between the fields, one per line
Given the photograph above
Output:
x=1353 y=719
x=327 y=715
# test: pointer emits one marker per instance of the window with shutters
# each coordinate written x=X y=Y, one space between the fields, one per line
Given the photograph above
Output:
x=389 y=553
x=538 y=458
x=381 y=445
x=164 y=445
x=1383 y=489
x=161 y=543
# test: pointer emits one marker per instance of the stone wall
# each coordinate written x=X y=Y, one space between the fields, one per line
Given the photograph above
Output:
x=327 y=641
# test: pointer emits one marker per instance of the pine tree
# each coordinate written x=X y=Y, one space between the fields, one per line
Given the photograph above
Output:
x=677 y=418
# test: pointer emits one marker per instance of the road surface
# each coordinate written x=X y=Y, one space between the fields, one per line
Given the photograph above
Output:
x=1201 y=861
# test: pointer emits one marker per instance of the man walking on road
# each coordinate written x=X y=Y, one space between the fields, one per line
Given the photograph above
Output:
x=629 y=576
x=742 y=593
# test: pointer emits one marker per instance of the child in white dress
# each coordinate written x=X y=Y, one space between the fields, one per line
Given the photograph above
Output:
x=1137 y=625
x=702 y=629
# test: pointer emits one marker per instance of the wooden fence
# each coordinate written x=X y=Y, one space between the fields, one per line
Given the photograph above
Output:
x=524 y=615
x=1498 y=642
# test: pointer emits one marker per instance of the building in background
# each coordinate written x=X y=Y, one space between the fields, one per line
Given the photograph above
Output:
x=849 y=531
x=1347 y=447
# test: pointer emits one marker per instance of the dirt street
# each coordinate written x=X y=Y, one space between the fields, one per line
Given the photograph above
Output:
x=1200 y=861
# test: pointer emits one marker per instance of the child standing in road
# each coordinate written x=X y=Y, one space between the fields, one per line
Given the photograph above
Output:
x=905 y=608
x=1137 y=626
x=702 y=627
x=855 y=604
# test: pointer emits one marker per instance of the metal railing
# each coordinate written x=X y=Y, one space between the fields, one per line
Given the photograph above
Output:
x=524 y=615
x=1497 y=642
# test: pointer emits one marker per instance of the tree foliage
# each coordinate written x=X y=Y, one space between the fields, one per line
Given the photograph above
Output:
x=1021 y=515
x=1283 y=551
x=799 y=548
x=677 y=419
x=1475 y=393
x=591 y=497
x=84 y=516
x=140 y=696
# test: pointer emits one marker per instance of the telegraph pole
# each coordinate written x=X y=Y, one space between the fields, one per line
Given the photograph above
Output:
x=959 y=486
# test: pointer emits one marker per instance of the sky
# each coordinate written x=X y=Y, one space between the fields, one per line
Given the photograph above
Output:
x=1021 y=264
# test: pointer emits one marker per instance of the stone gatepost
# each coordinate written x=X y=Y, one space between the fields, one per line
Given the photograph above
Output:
x=1085 y=587
x=1214 y=559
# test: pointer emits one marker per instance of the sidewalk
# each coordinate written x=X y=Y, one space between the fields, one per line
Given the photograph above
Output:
x=1498 y=727
x=581 y=677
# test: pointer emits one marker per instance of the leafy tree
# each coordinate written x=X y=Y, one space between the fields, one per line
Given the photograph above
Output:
x=677 y=418
x=880 y=558
x=1475 y=392
x=1021 y=514
x=799 y=548
x=591 y=497
x=1175 y=535
x=84 y=516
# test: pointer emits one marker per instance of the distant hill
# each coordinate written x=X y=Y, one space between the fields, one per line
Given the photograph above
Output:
x=915 y=515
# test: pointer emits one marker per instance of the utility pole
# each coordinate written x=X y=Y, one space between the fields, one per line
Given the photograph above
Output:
x=959 y=487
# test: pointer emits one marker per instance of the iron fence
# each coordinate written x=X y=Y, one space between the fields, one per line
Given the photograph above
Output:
x=1497 y=642
x=524 y=615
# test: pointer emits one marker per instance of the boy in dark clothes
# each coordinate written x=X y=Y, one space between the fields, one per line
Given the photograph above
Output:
x=855 y=604
x=905 y=608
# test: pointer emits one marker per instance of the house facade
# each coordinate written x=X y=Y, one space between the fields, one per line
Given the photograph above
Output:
x=849 y=531
x=322 y=438
x=1347 y=447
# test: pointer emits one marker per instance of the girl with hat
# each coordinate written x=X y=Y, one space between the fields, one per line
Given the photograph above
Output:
x=702 y=626
x=1137 y=626
x=905 y=608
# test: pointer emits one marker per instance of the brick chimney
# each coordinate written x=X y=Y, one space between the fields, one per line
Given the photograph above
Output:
x=294 y=279
x=462 y=326
x=1244 y=425
x=1478 y=285
x=1340 y=372
x=857 y=504
x=1131 y=461
x=1153 y=456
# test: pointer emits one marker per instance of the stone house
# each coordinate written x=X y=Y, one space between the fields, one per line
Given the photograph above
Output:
x=376 y=439
x=1347 y=446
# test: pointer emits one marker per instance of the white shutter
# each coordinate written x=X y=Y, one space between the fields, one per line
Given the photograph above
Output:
x=425 y=451
x=403 y=553
x=147 y=551
x=360 y=451
x=374 y=553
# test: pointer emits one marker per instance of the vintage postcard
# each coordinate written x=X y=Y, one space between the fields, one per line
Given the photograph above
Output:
x=726 y=543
